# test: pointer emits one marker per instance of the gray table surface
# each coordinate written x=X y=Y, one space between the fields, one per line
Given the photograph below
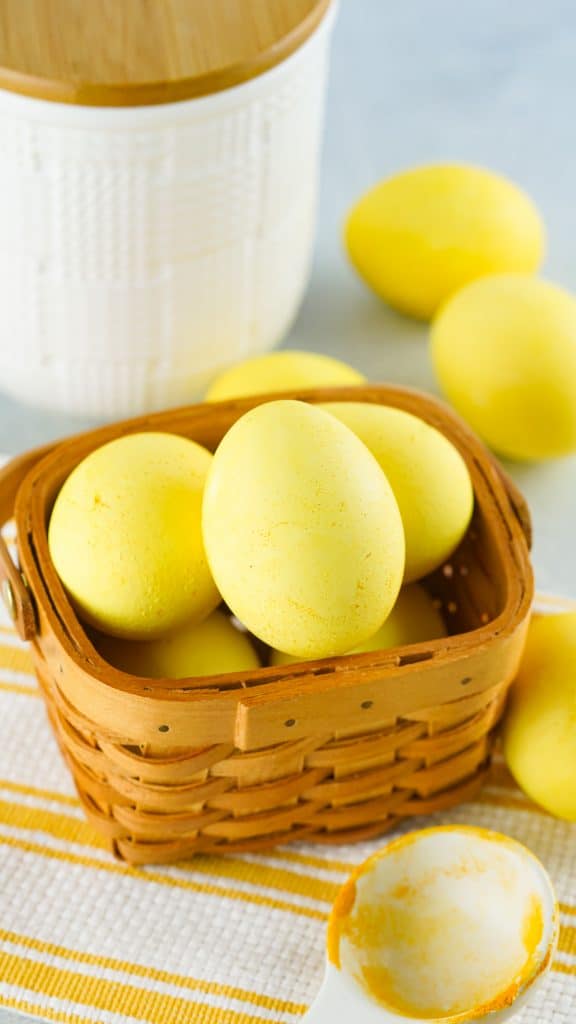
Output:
x=492 y=83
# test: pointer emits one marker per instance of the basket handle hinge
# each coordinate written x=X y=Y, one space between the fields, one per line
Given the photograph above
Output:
x=16 y=595
x=13 y=587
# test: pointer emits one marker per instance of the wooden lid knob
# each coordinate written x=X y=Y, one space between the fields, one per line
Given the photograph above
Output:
x=137 y=52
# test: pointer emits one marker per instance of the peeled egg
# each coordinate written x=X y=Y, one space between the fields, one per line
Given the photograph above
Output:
x=302 y=530
x=428 y=475
x=206 y=648
x=419 y=236
x=125 y=536
x=414 y=618
x=287 y=370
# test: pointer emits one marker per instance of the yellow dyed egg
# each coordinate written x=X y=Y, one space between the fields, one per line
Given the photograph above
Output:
x=207 y=648
x=414 y=618
x=302 y=530
x=418 y=237
x=504 y=351
x=287 y=370
x=540 y=724
x=428 y=475
x=125 y=536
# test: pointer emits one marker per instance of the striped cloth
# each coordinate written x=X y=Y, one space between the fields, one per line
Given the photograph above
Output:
x=235 y=940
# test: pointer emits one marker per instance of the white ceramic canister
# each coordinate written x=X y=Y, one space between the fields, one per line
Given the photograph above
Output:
x=145 y=244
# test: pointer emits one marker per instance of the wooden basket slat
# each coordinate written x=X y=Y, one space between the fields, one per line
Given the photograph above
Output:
x=261 y=797
x=363 y=785
x=177 y=850
x=261 y=824
x=440 y=718
x=442 y=746
x=338 y=819
x=166 y=770
x=149 y=826
x=432 y=779
x=466 y=789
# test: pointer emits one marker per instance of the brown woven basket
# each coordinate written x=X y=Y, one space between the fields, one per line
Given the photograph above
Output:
x=330 y=751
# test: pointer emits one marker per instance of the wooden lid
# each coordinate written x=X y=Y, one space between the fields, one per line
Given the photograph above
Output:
x=136 y=52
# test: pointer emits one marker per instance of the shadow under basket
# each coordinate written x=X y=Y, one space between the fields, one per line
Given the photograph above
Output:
x=328 y=751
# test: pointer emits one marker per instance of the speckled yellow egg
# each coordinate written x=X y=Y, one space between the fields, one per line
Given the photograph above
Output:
x=302 y=530
x=211 y=647
x=504 y=351
x=414 y=618
x=287 y=370
x=125 y=536
x=419 y=236
x=428 y=475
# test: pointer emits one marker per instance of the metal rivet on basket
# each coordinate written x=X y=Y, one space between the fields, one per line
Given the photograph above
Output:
x=9 y=599
x=163 y=728
x=290 y=722
x=367 y=704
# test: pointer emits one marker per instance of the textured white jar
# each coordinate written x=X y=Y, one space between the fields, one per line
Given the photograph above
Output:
x=144 y=248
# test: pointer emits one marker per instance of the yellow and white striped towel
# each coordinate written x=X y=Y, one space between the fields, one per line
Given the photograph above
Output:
x=236 y=940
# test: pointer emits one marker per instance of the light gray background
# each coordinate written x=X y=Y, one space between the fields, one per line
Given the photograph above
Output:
x=492 y=82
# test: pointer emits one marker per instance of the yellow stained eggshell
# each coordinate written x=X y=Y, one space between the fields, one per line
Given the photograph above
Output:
x=414 y=618
x=428 y=475
x=287 y=370
x=125 y=536
x=206 y=648
x=540 y=724
x=302 y=530
x=504 y=351
x=419 y=236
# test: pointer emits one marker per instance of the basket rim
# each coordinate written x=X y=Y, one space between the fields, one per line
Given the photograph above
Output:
x=30 y=511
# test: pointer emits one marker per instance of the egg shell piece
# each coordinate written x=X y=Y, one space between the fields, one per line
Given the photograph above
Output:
x=302 y=530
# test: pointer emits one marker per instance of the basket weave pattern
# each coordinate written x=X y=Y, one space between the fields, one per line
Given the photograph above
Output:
x=332 y=750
